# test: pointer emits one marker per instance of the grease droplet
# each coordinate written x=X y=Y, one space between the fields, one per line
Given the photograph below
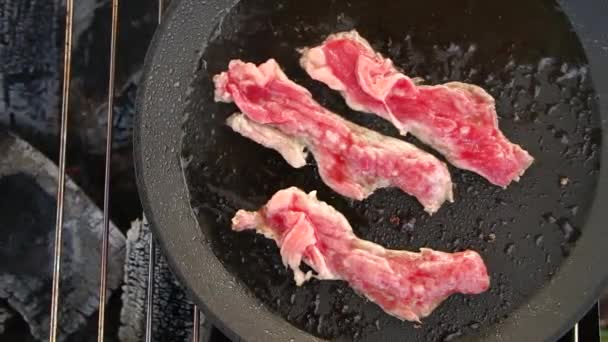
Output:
x=509 y=248
x=538 y=240
x=549 y=217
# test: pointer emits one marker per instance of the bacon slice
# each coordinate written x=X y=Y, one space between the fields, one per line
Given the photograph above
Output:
x=457 y=119
x=404 y=284
x=352 y=160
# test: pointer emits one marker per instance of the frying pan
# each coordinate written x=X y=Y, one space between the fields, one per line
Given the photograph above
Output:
x=543 y=238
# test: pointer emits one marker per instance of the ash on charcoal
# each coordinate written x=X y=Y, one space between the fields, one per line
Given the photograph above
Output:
x=28 y=182
x=5 y=316
x=31 y=57
x=31 y=52
x=172 y=315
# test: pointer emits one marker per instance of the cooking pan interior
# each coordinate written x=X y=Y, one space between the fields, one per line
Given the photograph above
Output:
x=523 y=52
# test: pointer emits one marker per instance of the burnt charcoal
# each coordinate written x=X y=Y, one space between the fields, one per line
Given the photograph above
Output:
x=28 y=182
x=172 y=315
x=31 y=59
x=5 y=316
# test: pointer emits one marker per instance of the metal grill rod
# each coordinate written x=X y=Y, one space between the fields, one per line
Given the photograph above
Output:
x=150 y=295
x=106 y=198
x=161 y=9
x=107 y=176
x=67 y=61
x=196 y=324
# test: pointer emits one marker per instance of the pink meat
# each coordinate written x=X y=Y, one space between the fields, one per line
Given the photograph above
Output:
x=406 y=285
x=352 y=160
x=457 y=119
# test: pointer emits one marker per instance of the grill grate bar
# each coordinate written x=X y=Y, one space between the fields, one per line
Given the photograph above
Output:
x=150 y=295
x=106 y=198
x=67 y=61
x=161 y=9
x=196 y=321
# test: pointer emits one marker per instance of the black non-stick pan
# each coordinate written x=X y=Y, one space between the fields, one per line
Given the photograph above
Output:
x=544 y=239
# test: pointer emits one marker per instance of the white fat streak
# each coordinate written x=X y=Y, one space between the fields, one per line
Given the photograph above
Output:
x=221 y=94
x=314 y=62
x=290 y=148
x=272 y=70
x=293 y=258
x=332 y=137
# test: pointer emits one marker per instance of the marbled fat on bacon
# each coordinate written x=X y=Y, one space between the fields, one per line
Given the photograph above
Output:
x=352 y=160
x=404 y=284
x=457 y=119
x=292 y=150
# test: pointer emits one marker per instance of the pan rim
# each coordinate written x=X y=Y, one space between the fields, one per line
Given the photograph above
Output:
x=170 y=209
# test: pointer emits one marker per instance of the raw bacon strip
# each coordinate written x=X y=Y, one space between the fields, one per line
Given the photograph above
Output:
x=406 y=285
x=352 y=160
x=457 y=119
